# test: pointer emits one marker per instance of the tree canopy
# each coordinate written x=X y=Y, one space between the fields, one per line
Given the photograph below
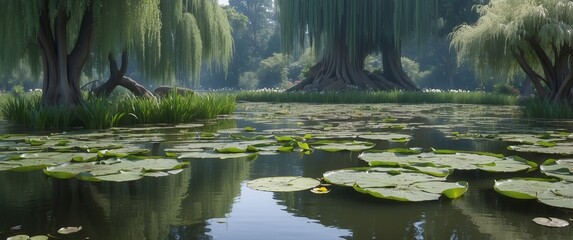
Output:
x=512 y=37
x=344 y=32
x=169 y=38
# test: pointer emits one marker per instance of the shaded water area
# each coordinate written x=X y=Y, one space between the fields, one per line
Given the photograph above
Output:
x=210 y=200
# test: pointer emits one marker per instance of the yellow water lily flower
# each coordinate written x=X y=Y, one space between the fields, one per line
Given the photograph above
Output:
x=320 y=190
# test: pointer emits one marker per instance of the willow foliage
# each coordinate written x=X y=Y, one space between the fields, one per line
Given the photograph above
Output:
x=361 y=25
x=169 y=37
x=506 y=26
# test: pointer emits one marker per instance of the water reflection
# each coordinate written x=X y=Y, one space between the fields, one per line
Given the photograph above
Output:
x=209 y=200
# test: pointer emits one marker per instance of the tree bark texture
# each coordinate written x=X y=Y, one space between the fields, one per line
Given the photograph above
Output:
x=341 y=71
x=555 y=83
x=62 y=70
x=117 y=78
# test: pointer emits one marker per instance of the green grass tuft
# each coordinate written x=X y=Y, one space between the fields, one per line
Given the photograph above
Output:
x=120 y=110
x=537 y=108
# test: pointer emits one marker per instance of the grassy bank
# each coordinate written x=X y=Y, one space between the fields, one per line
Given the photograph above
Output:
x=537 y=108
x=379 y=97
x=121 y=110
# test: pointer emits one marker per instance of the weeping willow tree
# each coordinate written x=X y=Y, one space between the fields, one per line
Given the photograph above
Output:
x=512 y=37
x=170 y=38
x=192 y=32
x=344 y=32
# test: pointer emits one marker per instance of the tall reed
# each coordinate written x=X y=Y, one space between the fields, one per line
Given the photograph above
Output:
x=537 y=108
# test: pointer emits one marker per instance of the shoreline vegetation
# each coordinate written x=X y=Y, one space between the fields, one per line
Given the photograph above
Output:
x=531 y=107
x=26 y=110
x=357 y=97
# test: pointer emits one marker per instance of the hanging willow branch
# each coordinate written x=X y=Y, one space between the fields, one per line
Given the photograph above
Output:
x=366 y=23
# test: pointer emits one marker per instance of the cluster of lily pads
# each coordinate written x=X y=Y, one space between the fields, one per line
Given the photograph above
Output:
x=397 y=174
x=88 y=157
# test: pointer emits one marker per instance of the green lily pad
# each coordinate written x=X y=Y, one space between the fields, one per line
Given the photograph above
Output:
x=396 y=183
x=422 y=191
x=335 y=146
x=32 y=162
x=283 y=184
x=209 y=154
x=19 y=237
x=558 y=148
x=39 y=237
x=523 y=188
x=386 y=136
x=450 y=159
x=249 y=129
x=562 y=169
x=561 y=196
x=112 y=170
x=377 y=176
x=551 y=222
x=68 y=230
x=121 y=176
x=547 y=191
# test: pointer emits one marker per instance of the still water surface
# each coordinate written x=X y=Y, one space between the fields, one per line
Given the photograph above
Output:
x=210 y=200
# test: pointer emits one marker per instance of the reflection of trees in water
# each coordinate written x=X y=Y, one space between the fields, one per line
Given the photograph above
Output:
x=152 y=208
x=480 y=214
x=370 y=218
x=365 y=216
x=506 y=218
x=24 y=200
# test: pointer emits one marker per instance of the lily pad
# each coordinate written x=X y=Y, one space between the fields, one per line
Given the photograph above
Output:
x=210 y=154
x=562 y=169
x=396 y=183
x=335 y=146
x=32 y=162
x=386 y=136
x=422 y=191
x=547 y=191
x=283 y=184
x=561 y=196
x=68 y=230
x=551 y=222
x=19 y=237
x=116 y=170
x=39 y=237
x=558 y=148
x=455 y=160
x=523 y=188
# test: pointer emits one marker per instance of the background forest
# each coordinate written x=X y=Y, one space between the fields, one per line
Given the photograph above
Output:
x=257 y=61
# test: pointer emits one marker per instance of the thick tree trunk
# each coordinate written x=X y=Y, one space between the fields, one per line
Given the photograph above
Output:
x=341 y=71
x=556 y=83
x=117 y=78
x=392 y=65
x=62 y=71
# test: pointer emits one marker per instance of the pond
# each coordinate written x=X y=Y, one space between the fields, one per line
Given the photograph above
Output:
x=210 y=199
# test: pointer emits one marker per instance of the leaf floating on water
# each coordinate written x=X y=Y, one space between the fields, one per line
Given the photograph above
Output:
x=68 y=230
x=551 y=222
x=558 y=168
x=283 y=184
x=396 y=183
x=19 y=237
x=249 y=129
x=39 y=237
